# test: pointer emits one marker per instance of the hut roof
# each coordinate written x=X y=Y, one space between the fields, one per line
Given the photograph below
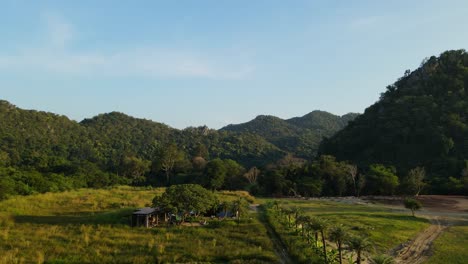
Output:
x=145 y=211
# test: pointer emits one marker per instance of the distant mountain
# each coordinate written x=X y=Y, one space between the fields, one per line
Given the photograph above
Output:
x=421 y=120
x=299 y=135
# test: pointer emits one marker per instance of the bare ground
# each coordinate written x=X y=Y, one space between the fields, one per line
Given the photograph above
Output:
x=442 y=211
x=418 y=250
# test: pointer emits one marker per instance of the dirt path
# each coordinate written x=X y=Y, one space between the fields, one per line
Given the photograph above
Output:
x=442 y=211
x=280 y=248
x=417 y=251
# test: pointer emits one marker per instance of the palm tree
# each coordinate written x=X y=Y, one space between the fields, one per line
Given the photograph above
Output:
x=303 y=220
x=276 y=205
x=297 y=212
x=382 y=259
x=314 y=225
x=359 y=244
x=338 y=234
x=320 y=225
x=288 y=213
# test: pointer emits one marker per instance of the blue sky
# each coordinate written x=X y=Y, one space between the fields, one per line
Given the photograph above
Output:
x=190 y=63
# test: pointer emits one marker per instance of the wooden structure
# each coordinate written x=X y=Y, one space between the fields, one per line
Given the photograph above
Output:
x=148 y=217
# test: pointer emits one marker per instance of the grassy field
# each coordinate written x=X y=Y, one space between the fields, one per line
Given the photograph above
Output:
x=91 y=226
x=451 y=246
x=385 y=229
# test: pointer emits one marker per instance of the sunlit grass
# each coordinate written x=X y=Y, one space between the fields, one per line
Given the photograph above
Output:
x=451 y=246
x=385 y=228
x=91 y=226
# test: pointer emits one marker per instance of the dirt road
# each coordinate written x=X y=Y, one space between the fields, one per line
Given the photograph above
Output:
x=442 y=211
x=417 y=251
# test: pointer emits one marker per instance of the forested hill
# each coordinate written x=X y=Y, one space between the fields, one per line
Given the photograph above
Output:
x=421 y=120
x=48 y=142
x=298 y=135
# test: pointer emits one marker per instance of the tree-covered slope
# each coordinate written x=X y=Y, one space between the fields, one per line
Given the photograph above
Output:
x=421 y=120
x=51 y=143
x=299 y=135
x=39 y=140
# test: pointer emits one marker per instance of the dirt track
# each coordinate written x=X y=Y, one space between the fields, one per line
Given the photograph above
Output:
x=418 y=250
x=442 y=211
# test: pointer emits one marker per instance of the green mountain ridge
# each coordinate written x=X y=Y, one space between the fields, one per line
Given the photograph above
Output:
x=48 y=142
x=421 y=120
x=298 y=135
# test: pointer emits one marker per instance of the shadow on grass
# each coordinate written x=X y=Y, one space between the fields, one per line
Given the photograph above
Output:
x=383 y=216
x=121 y=216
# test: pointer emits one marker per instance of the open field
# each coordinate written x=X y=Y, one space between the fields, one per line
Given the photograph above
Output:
x=438 y=234
x=451 y=246
x=384 y=227
x=91 y=226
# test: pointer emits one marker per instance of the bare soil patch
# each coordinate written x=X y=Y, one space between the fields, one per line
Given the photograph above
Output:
x=442 y=210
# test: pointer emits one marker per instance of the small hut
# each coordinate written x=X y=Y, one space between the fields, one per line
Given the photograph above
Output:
x=147 y=217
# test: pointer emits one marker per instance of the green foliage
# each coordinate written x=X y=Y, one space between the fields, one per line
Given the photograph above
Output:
x=414 y=182
x=412 y=204
x=420 y=120
x=381 y=179
x=450 y=246
x=360 y=245
x=185 y=199
x=299 y=135
x=382 y=259
x=216 y=173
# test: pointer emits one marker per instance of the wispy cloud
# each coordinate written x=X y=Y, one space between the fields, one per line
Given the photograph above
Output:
x=60 y=32
x=156 y=62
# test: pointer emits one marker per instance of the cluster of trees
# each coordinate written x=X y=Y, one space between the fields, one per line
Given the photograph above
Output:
x=316 y=232
x=193 y=199
x=421 y=120
x=325 y=176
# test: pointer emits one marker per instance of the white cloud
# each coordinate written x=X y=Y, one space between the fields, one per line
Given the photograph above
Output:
x=54 y=57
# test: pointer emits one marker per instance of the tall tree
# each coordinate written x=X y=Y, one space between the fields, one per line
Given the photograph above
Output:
x=252 y=174
x=167 y=157
x=353 y=172
x=216 y=173
x=359 y=244
x=414 y=181
x=135 y=168
x=339 y=234
x=381 y=179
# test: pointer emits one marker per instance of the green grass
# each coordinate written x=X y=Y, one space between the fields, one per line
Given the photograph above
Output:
x=91 y=226
x=451 y=246
x=386 y=229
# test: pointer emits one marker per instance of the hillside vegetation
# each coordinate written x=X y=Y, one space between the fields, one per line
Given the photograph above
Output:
x=299 y=135
x=421 y=120
x=41 y=152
